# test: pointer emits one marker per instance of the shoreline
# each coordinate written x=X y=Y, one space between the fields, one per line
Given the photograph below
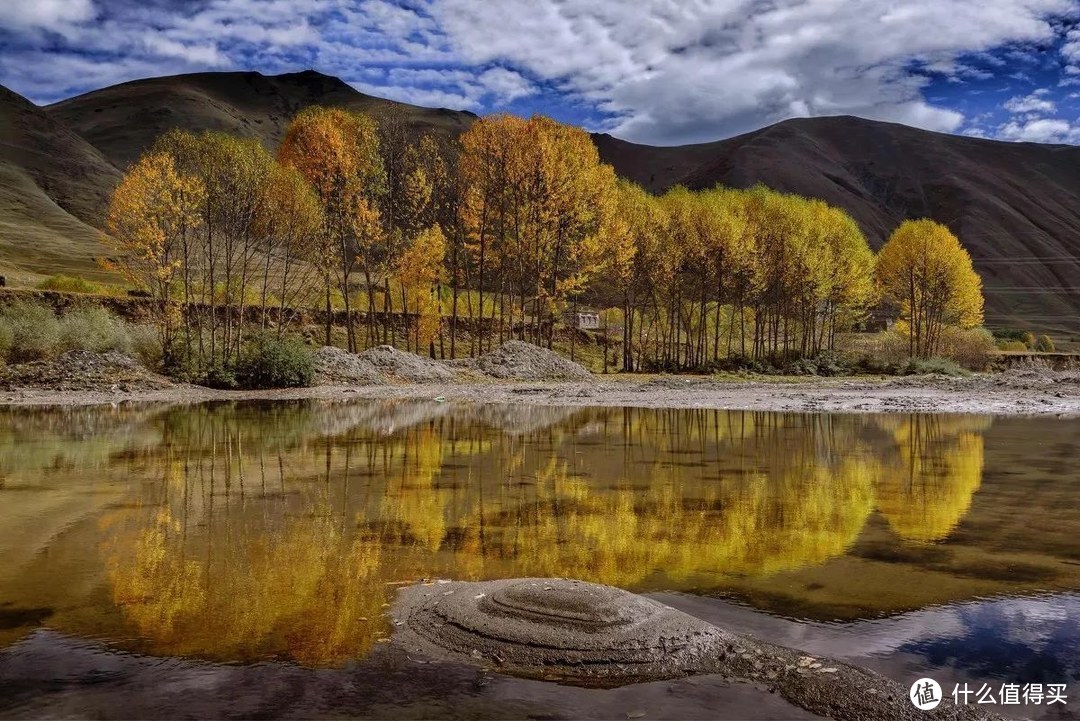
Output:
x=1029 y=394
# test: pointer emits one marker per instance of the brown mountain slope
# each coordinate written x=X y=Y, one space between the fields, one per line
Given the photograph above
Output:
x=54 y=188
x=123 y=120
x=1015 y=206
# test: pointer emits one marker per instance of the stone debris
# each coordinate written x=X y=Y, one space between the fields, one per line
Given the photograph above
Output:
x=375 y=366
x=334 y=366
x=83 y=370
x=517 y=360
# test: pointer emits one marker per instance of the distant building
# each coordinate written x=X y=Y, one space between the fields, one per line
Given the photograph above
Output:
x=583 y=319
x=879 y=319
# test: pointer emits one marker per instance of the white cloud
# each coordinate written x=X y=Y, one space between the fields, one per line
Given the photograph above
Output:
x=1041 y=130
x=663 y=71
x=45 y=14
x=677 y=72
x=1037 y=103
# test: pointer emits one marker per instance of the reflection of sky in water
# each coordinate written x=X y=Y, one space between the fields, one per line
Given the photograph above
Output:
x=1018 y=640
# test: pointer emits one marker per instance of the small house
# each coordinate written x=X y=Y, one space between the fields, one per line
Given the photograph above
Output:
x=583 y=319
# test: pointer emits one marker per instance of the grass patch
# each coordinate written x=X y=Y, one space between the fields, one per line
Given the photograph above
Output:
x=73 y=284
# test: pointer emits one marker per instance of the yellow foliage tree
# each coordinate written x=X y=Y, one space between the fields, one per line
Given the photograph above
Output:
x=152 y=217
x=928 y=275
x=338 y=152
x=419 y=270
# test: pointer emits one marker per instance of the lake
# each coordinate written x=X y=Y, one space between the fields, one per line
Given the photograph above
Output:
x=237 y=559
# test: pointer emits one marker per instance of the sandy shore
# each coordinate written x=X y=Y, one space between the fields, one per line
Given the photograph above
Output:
x=1032 y=393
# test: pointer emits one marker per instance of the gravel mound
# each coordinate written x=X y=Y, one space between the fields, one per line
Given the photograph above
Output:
x=517 y=360
x=334 y=366
x=83 y=370
x=399 y=365
x=382 y=364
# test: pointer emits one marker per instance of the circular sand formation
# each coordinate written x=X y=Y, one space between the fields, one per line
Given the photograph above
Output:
x=587 y=634
x=554 y=627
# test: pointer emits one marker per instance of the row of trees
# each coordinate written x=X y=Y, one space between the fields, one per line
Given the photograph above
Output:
x=509 y=226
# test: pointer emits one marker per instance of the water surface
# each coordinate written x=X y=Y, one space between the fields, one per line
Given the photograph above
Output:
x=243 y=554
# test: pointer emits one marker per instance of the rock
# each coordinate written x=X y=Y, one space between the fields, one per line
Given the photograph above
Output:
x=517 y=360
x=545 y=627
x=591 y=635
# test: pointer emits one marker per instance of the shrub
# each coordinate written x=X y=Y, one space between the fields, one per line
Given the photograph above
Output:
x=219 y=376
x=1045 y=344
x=34 y=331
x=95 y=329
x=272 y=362
x=1012 y=346
x=145 y=344
x=5 y=340
x=938 y=366
x=70 y=284
x=972 y=348
x=1029 y=340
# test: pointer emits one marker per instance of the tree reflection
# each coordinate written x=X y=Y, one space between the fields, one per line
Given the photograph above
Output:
x=927 y=481
x=287 y=539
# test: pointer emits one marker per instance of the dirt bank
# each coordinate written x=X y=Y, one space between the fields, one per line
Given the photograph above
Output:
x=1010 y=393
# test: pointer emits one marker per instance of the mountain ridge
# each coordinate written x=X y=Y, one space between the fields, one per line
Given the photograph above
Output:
x=1015 y=206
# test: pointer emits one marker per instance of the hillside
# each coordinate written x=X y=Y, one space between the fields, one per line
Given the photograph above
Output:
x=1016 y=206
x=54 y=189
x=123 y=120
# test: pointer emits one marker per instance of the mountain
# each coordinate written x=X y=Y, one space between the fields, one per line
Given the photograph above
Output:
x=54 y=189
x=123 y=120
x=1015 y=206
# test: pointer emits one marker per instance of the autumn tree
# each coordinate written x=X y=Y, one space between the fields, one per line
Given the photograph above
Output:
x=925 y=272
x=419 y=270
x=153 y=216
x=337 y=151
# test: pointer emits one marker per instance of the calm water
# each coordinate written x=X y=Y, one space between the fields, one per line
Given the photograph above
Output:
x=237 y=559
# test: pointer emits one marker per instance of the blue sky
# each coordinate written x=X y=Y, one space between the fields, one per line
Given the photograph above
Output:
x=653 y=71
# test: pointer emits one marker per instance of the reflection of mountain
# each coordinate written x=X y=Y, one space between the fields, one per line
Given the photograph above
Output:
x=259 y=530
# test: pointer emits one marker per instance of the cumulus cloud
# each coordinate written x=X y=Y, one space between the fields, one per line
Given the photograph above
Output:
x=47 y=14
x=658 y=71
x=1037 y=103
x=1040 y=130
x=675 y=72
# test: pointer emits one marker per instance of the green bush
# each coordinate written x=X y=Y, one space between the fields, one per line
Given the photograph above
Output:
x=220 y=377
x=1014 y=346
x=938 y=366
x=1045 y=344
x=34 y=331
x=95 y=329
x=272 y=362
